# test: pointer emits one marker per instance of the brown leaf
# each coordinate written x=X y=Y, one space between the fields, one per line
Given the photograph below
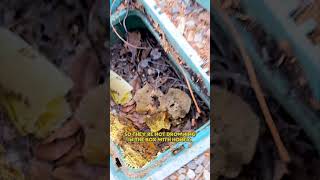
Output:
x=130 y=103
x=237 y=131
x=84 y=71
x=40 y=170
x=78 y=171
x=134 y=38
x=92 y=115
x=145 y=98
x=69 y=129
x=128 y=108
x=177 y=103
x=66 y=173
x=145 y=53
x=71 y=156
x=54 y=150
x=137 y=119
x=136 y=83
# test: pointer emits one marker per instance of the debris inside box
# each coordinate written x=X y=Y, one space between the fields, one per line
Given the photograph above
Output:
x=160 y=100
x=51 y=73
x=230 y=73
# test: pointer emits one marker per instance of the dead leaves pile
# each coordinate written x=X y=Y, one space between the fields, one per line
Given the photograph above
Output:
x=151 y=109
x=159 y=107
x=76 y=150
x=237 y=134
x=147 y=67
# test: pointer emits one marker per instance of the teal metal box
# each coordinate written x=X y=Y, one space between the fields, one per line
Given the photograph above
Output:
x=167 y=162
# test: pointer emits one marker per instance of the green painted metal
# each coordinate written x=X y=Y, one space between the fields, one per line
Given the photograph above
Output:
x=274 y=16
x=279 y=86
x=205 y=4
x=114 y=4
x=177 y=40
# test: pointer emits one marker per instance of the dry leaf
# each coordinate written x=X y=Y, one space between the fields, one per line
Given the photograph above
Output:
x=84 y=71
x=146 y=99
x=155 y=54
x=68 y=129
x=136 y=83
x=137 y=119
x=237 y=133
x=67 y=173
x=92 y=117
x=177 y=103
x=40 y=170
x=158 y=121
x=134 y=38
x=74 y=153
x=127 y=109
x=8 y=172
x=54 y=150
x=78 y=171
x=145 y=53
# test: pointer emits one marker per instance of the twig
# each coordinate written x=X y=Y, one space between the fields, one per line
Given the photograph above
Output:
x=190 y=89
x=283 y=153
x=123 y=40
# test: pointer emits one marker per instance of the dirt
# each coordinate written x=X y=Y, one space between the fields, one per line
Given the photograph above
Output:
x=152 y=68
